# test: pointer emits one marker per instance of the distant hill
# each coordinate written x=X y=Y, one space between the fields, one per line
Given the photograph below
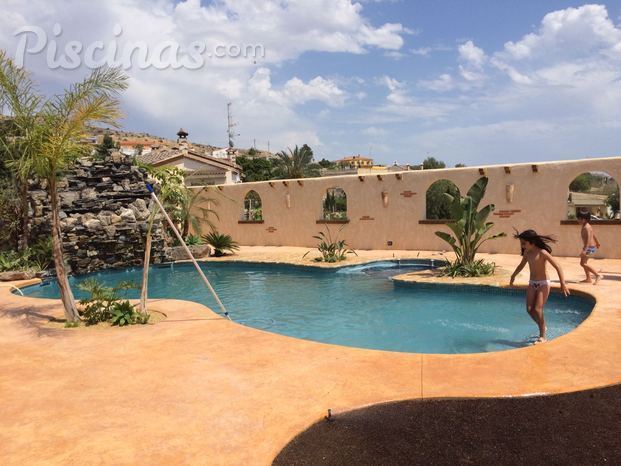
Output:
x=131 y=139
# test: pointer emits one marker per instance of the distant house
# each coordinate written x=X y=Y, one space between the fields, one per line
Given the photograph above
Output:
x=595 y=204
x=130 y=146
x=355 y=161
x=202 y=169
x=226 y=153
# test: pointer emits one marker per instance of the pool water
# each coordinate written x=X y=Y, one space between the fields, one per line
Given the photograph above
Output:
x=356 y=306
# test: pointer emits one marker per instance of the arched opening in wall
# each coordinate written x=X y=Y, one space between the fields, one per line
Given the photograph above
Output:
x=437 y=204
x=596 y=193
x=334 y=205
x=253 y=209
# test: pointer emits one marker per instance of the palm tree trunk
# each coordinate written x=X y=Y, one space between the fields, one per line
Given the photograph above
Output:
x=66 y=295
x=147 y=261
x=24 y=233
x=145 y=273
x=186 y=227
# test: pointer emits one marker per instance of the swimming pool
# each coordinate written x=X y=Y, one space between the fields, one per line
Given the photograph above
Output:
x=357 y=305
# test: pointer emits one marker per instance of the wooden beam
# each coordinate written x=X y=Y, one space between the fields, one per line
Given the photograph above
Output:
x=271 y=183
x=482 y=171
x=535 y=168
x=361 y=178
x=286 y=183
x=301 y=183
x=398 y=176
x=220 y=188
x=379 y=177
x=507 y=170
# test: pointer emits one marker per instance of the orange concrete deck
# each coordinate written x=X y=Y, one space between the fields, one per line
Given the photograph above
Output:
x=198 y=389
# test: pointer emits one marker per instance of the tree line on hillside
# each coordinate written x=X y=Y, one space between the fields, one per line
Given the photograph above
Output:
x=299 y=163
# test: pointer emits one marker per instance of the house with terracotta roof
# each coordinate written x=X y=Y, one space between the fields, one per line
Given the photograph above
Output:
x=135 y=146
x=355 y=161
x=595 y=204
x=202 y=169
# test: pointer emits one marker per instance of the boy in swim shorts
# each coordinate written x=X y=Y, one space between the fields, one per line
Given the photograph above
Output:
x=590 y=247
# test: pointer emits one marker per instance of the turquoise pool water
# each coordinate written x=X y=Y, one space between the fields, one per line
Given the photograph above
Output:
x=357 y=306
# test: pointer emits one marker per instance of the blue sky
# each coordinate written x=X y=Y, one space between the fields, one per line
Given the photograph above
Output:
x=464 y=81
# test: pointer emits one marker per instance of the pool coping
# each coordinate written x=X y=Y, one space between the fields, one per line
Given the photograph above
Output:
x=581 y=359
x=401 y=279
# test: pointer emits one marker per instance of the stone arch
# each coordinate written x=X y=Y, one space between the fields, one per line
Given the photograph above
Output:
x=253 y=207
x=334 y=204
x=595 y=192
x=436 y=203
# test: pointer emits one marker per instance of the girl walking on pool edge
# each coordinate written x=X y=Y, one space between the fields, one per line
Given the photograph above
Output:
x=590 y=247
x=536 y=251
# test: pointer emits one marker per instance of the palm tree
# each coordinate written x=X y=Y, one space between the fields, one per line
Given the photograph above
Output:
x=61 y=124
x=192 y=202
x=19 y=140
x=296 y=162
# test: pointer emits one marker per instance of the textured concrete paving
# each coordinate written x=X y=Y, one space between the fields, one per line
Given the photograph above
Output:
x=198 y=389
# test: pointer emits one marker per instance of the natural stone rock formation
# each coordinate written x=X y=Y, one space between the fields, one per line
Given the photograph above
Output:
x=178 y=253
x=13 y=276
x=105 y=210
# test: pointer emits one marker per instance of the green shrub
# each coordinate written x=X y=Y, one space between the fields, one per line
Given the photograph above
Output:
x=331 y=250
x=478 y=268
x=106 y=305
x=469 y=228
x=36 y=258
x=221 y=243
x=10 y=260
x=193 y=240
x=123 y=313
x=10 y=214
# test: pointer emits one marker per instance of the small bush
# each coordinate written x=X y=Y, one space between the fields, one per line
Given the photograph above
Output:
x=331 y=250
x=106 y=305
x=36 y=258
x=193 y=240
x=123 y=313
x=221 y=243
x=478 y=268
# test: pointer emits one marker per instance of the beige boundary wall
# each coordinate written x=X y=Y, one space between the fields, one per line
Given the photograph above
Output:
x=291 y=208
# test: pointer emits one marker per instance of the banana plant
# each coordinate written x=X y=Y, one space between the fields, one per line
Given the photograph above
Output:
x=470 y=224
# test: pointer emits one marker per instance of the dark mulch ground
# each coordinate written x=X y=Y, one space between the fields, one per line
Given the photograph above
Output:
x=582 y=428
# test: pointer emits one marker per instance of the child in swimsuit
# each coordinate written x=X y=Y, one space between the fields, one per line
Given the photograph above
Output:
x=536 y=252
x=590 y=246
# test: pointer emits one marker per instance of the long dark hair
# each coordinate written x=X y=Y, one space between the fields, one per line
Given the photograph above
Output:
x=541 y=241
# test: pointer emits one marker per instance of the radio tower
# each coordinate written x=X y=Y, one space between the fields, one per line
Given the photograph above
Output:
x=231 y=125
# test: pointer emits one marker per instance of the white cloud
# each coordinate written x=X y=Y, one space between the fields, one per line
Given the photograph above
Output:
x=426 y=51
x=422 y=51
x=515 y=75
x=401 y=105
x=471 y=54
x=395 y=55
x=567 y=33
x=163 y=100
x=442 y=83
x=318 y=88
x=473 y=58
x=551 y=94
x=374 y=131
x=571 y=47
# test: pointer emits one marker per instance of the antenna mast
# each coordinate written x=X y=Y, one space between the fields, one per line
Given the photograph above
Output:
x=231 y=125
